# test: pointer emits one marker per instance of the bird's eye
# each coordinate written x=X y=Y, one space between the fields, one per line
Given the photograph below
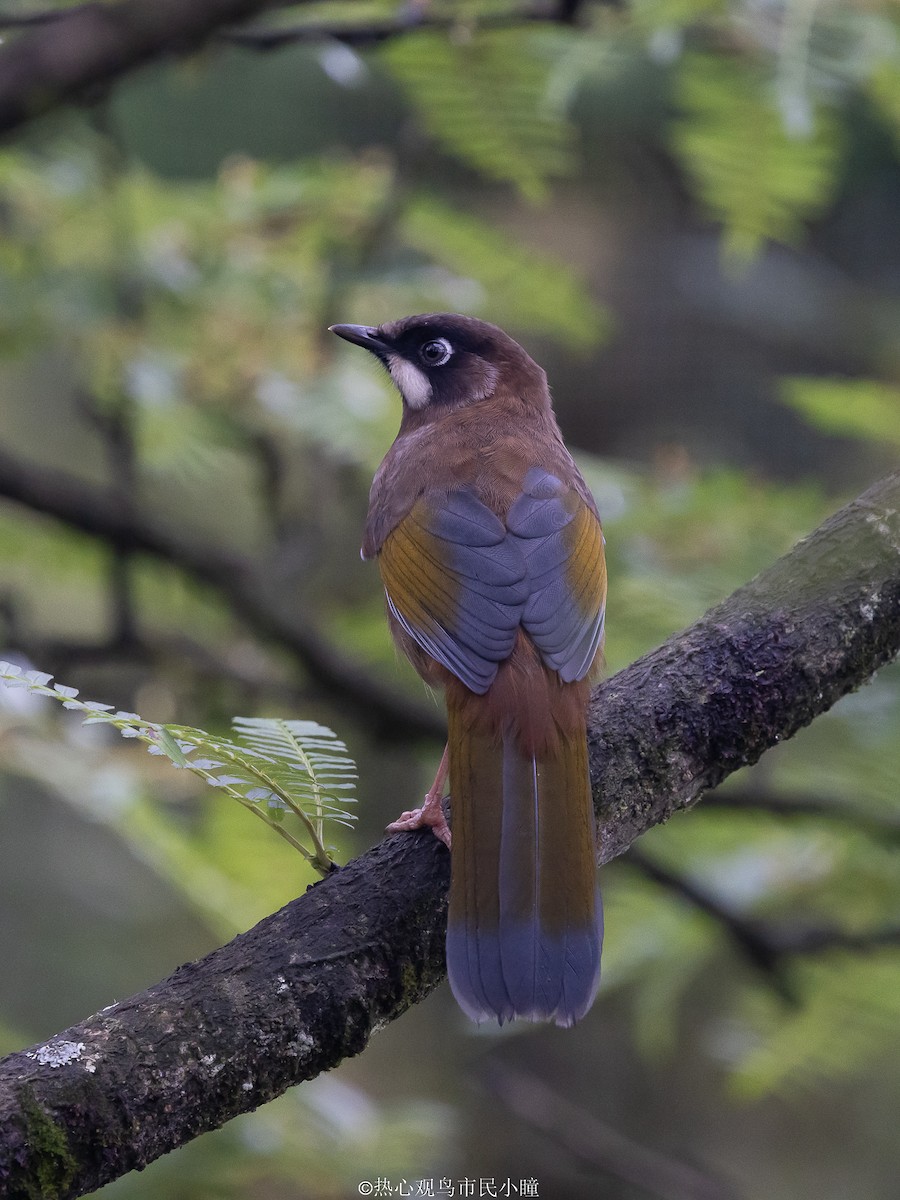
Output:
x=436 y=353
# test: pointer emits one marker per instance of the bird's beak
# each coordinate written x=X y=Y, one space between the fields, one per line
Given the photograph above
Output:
x=361 y=335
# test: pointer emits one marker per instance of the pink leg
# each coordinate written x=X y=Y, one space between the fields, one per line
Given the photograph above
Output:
x=431 y=813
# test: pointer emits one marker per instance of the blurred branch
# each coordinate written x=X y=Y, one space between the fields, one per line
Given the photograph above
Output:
x=70 y=53
x=67 y=55
x=272 y=474
x=747 y=935
x=596 y=1144
x=765 y=944
x=753 y=799
x=373 y=32
x=47 y=15
x=26 y=20
x=309 y=985
x=819 y=939
x=245 y=584
x=248 y=669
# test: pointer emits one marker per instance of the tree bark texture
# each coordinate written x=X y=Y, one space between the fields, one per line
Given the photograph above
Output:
x=309 y=985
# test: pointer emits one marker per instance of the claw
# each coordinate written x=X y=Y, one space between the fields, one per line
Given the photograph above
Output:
x=430 y=815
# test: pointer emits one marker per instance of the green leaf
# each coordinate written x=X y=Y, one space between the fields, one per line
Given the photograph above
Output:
x=294 y=766
x=527 y=290
x=483 y=97
x=883 y=88
x=652 y=15
x=754 y=176
x=849 y=1016
x=172 y=749
x=861 y=408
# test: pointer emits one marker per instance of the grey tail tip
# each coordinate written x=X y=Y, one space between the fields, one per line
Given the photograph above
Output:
x=561 y=1020
x=564 y=1019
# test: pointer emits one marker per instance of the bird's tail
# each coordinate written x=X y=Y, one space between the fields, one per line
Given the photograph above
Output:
x=525 y=923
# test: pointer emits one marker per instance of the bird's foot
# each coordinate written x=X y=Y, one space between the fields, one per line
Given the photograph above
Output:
x=430 y=814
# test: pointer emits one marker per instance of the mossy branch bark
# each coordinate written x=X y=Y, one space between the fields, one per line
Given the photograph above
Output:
x=309 y=985
x=751 y=672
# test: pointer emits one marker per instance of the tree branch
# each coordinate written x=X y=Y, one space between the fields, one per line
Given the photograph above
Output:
x=70 y=53
x=245 y=584
x=746 y=934
x=92 y=45
x=374 y=32
x=257 y=675
x=43 y=17
x=764 y=943
x=751 y=672
x=597 y=1145
x=879 y=826
x=309 y=985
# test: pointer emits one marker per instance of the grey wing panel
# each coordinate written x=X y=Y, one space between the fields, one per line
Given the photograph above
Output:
x=457 y=584
x=563 y=548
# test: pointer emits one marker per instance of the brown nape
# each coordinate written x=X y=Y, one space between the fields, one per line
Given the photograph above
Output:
x=527 y=699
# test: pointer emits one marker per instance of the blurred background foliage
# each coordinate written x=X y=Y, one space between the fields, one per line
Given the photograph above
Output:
x=688 y=211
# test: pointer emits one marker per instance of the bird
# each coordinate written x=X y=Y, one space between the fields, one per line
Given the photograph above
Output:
x=492 y=558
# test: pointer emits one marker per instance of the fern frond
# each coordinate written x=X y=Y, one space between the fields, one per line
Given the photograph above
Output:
x=273 y=767
x=753 y=175
x=484 y=99
x=849 y=1016
x=527 y=289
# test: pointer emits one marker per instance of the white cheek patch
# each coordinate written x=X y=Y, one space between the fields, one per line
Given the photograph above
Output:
x=412 y=383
